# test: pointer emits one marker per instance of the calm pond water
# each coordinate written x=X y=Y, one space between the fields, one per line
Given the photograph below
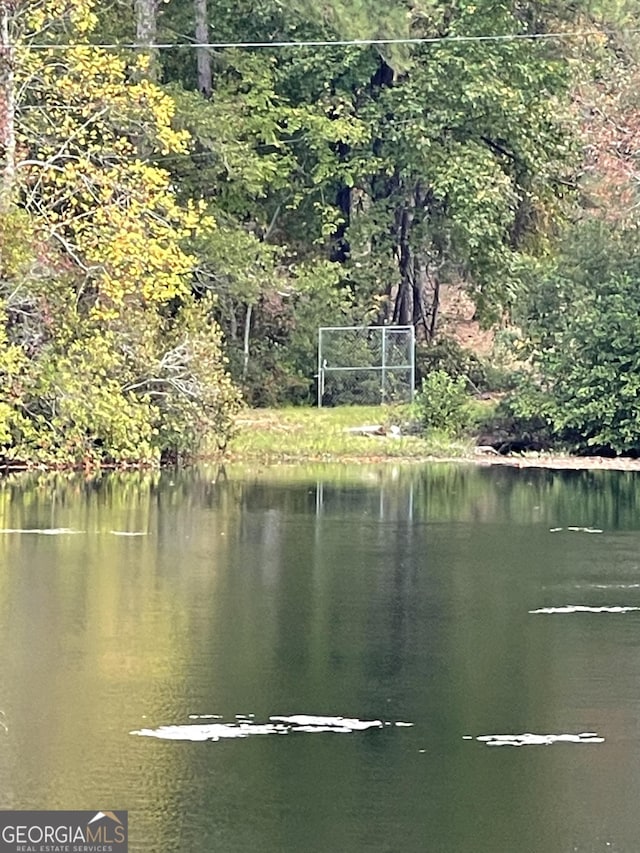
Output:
x=383 y=595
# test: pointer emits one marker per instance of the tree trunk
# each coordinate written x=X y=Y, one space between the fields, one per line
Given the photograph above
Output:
x=403 y=308
x=434 y=280
x=203 y=54
x=419 y=284
x=418 y=291
x=7 y=111
x=245 y=349
x=146 y=12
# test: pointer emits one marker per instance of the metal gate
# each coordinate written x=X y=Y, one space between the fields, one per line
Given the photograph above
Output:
x=367 y=365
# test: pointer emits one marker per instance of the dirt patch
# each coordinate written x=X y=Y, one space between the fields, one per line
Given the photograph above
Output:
x=562 y=463
x=457 y=320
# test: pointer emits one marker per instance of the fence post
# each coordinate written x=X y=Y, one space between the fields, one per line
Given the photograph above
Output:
x=383 y=374
x=320 y=385
x=413 y=362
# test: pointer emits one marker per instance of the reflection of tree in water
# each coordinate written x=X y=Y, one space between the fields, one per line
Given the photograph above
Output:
x=106 y=642
x=431 y=492
x=609 y=499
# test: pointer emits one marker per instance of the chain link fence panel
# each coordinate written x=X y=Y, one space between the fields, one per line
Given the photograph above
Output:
x=365 y=365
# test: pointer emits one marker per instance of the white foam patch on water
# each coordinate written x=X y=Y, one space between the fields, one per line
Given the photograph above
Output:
x=584 y=608
x=129 y=532
x=585 y=529
x=350 y=724
x=277 y=725
x=311 y=729
x=209 y=731
x=576 y=529
x=529 y=739
x=595 y=585
x=42 y=531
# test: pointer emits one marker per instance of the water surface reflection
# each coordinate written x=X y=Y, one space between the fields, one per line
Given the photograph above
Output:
x=373 y=593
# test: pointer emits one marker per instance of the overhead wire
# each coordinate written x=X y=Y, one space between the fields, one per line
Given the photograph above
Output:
x=370 y=42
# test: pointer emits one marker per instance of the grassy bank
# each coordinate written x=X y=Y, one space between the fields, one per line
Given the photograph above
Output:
x=293 y=434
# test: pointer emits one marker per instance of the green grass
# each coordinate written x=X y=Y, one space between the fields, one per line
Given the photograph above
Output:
x=321 y=434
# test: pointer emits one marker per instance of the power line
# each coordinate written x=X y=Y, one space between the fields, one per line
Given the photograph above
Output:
x=247 y=45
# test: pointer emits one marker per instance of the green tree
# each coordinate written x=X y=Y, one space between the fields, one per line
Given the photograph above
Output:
x=468 y=163
x=106 y=355
x=580 y=339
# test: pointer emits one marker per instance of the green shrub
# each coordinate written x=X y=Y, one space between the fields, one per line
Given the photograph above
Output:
x=188 y=385
x=442 y=403
x=143 y=388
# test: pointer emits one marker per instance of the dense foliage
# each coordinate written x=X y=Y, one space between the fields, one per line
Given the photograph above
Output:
x=106 y=354
x=581 y=339
x=578 y=317
x=176 y=222
x=349 y=182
